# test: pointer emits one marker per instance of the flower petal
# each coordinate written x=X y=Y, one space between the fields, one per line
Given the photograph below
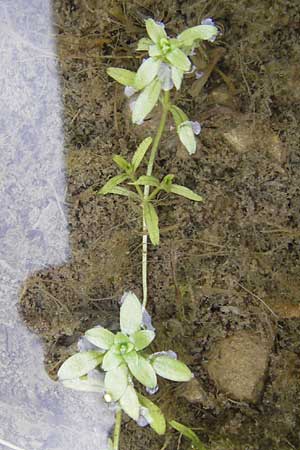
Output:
x=129 y=403
x=116 y=382
x=178 y=59
x=101 y=337
x=146 y=101
x=155 y=31
x=130 y=314
x=146 y=73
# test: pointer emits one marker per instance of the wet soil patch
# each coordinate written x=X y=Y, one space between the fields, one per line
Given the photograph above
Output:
x=228 y=267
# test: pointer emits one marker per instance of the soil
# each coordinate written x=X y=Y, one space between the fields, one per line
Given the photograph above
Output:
x=224 y=267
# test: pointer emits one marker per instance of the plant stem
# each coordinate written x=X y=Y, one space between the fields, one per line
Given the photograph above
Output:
x=154 y=149
x=117 y=429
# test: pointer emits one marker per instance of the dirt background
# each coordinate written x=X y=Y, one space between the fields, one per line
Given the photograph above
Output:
x=224 y=283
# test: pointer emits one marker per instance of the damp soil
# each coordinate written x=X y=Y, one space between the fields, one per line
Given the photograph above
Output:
x=226 y=268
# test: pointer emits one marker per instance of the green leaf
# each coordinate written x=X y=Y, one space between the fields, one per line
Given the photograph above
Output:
x=144 y=44
x=142 y=370
x=167 y=182
x=155 y=31
x=121 y=338
x=151 y=219
x=101 y=337
x=177 y=76
x=203 y=32
x=179 y=116
x=171 y=369
x=185 y=192
x=178 y=59
x=111 y=360
x=146 y=180
x=124 y=192
x=188 y=433
x=146 y=101
x=141 y=339
x=154 y=51
x=86 y=385
x=129 y=403
x=122 y=76
x=146 y=73
x=157 y=422
x=110 y=444
x=140 y=153
x=187 y=137
x=79 y=364
x=112 y=183
x=116 y=382
x=122 y=163
x=130 y=314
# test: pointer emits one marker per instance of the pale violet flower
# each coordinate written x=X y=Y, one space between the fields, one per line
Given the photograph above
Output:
x=186 y=132
x=129 y=91
x=165 y=76
x=199 y=75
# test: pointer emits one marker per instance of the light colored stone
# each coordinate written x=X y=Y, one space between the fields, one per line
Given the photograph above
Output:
x=238 y=365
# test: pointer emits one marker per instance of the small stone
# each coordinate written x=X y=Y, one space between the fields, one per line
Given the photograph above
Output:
x=238 y=365
x=193 y=392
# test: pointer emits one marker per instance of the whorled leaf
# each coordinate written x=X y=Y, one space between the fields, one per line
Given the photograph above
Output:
x=187 y=137
x=116 y=382
x=146 y=180
x=140 y=153
x=151 y=219
x=143 y=44
x=171 y=369
x=185 y=192
x=179 y=115
x=122 y=76
x=178 y=59
x=155 y=31
x=112 y=183
x=203 y=32
x=85 y=384
x=177 y=76
x=111 y=360
x=129 y=402
x=141 y=339
x=131 y=314
x=146 y=73
x=101 y=337
x=157 y=422
x=146 y=101
x=142 y=370
x=79 y=364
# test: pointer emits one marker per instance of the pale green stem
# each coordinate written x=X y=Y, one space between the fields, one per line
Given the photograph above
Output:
x=154 y=149
x=117 y=429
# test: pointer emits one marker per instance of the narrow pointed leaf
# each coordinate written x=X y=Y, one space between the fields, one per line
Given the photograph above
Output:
x=187 y=137
x=131 y=314
x=141 y=339
x=116 y=382
x=189 y=434
x=158 y=422
x=143 y=371
x=140 y=153
x=151 y=219
x=146 y=73
x=178 y=59
x=177 y=76
x=111 y=360
x=146 y=180
x=112 y=183
x=124 y=192
x=122 y=163
x=185 y=192
x=79 y=364
x=146 y=101
x=179 y=116
x=144 y=44
x=129 y=403
x=171 y=369
x=204 y=32
x=122 y=76
x=155 y=31
x=100 y=337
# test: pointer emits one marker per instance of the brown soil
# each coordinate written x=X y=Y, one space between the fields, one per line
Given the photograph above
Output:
x=229 y=265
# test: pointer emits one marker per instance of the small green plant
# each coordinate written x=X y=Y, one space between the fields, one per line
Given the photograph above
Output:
x=189 y=434
x=123 y=358
x=112 y=363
